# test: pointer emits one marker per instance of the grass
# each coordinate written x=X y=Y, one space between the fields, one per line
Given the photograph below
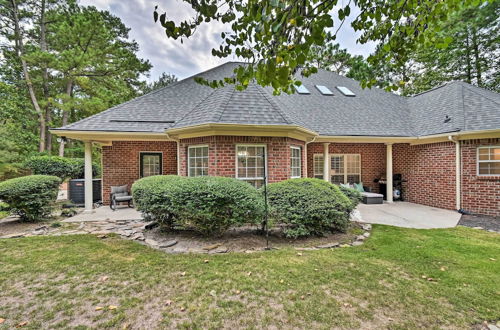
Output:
x=57 y=282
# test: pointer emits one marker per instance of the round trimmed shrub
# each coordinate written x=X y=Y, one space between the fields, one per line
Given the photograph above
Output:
x=61 y=167
x=31 y=197
x=353 y=195
x=210 y=205
x=308 y=207
x=153 y=197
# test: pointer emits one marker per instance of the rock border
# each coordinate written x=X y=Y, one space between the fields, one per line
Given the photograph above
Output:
x=135 y=230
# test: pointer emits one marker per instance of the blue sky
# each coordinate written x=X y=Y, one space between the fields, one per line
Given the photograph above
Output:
x=194 y=55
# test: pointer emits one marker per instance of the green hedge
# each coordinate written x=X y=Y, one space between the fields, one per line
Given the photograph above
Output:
x=31 y=197
x=308 y=207
x=353 y=195
x=208 y=205
x=61 y=167
x=153 y=197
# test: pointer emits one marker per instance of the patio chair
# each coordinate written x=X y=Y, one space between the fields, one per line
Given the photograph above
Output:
x=119 y=194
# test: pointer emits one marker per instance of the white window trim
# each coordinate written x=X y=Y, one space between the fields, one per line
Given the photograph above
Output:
x=265 y=161
x=300 y=162
x=188 y=158
x=345 y=167
x=345 y=173
x=151 y=152
x=314 y=168
x=485 y=161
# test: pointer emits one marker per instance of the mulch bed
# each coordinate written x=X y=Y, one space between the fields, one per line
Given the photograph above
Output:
x=485 y=222
x=245 y=239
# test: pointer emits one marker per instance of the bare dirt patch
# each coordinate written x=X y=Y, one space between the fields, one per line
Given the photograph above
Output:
x=12 y=225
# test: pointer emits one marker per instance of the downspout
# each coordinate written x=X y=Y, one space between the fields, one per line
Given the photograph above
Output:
x=305 y=151
x=458 y=172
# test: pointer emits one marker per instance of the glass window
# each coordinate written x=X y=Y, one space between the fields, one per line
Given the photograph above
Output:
x=150 y=163
x=337 y=169
x=250 y=164
x=197 y=160
x=488 y=159
x=318 y=166
x=345 y=168
x=296 y=162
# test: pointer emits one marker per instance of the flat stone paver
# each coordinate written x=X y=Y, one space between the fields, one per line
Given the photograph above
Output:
x=408 y=215
x=104 y=213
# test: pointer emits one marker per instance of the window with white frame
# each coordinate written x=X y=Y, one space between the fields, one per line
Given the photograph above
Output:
x=318 y=165
x=488 y=160
x=344 y=168
x=150 y=163
x=251 y=164
x=197 y=160
x=296 y=162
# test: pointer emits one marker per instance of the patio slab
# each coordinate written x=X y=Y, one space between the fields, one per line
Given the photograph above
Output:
x=408 y=215
x=104 y=213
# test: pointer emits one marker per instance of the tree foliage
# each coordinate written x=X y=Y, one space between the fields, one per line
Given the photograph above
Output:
x=472 y=56
x=276 y=36
x=164 y=80
x=60 y=62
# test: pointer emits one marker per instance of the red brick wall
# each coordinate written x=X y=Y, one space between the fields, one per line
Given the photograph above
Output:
x=480 y=194
x=430 y=173
x=120 y=162
x=373 y=159
x=222 y=154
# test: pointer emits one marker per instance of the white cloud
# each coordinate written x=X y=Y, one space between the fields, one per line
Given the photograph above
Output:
x=194 y=54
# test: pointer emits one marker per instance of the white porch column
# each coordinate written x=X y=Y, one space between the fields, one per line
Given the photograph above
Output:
x=88 y=177
x=389 y=192
x=326 y=162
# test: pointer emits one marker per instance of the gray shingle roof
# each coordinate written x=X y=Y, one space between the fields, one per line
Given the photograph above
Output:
x=372 y=112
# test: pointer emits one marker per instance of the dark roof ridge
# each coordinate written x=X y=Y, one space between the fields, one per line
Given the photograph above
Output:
x=224 y=107
x=473 y=88
x=275 y=105
x=446 y=83
x=194 y=107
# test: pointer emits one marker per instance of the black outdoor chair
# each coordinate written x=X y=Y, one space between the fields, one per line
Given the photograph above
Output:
x=119 y=194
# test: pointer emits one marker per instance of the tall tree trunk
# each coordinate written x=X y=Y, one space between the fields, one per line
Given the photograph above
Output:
x=477 y=57
x=468 y=59
x=65 y=114
x=27 y=78
x=45 y=78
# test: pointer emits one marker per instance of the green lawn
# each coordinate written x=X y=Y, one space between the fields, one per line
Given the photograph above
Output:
x=57 y=282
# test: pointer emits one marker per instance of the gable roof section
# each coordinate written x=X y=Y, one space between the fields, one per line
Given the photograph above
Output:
x=455 y=106
x=372 y=112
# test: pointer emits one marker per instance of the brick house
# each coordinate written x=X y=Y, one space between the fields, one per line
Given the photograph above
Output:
x=444 y=144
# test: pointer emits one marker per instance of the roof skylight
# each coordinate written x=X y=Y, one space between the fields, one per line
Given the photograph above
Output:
x=302 y=89
x=324 y=90
x=346 y=91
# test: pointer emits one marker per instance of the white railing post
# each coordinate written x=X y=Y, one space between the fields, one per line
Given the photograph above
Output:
x=326 y=162
x=389 y=187
x=88 y=177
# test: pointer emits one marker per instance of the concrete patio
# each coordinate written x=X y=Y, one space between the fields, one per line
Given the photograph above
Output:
x=104 y=213
x=400 y=214
x=408 y=215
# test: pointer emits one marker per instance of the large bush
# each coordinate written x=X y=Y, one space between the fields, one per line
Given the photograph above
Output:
x=208 y=205
x=308 y=207
x=31 y=197
x=153 y=197
x=353 y=195
x=61 y=167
